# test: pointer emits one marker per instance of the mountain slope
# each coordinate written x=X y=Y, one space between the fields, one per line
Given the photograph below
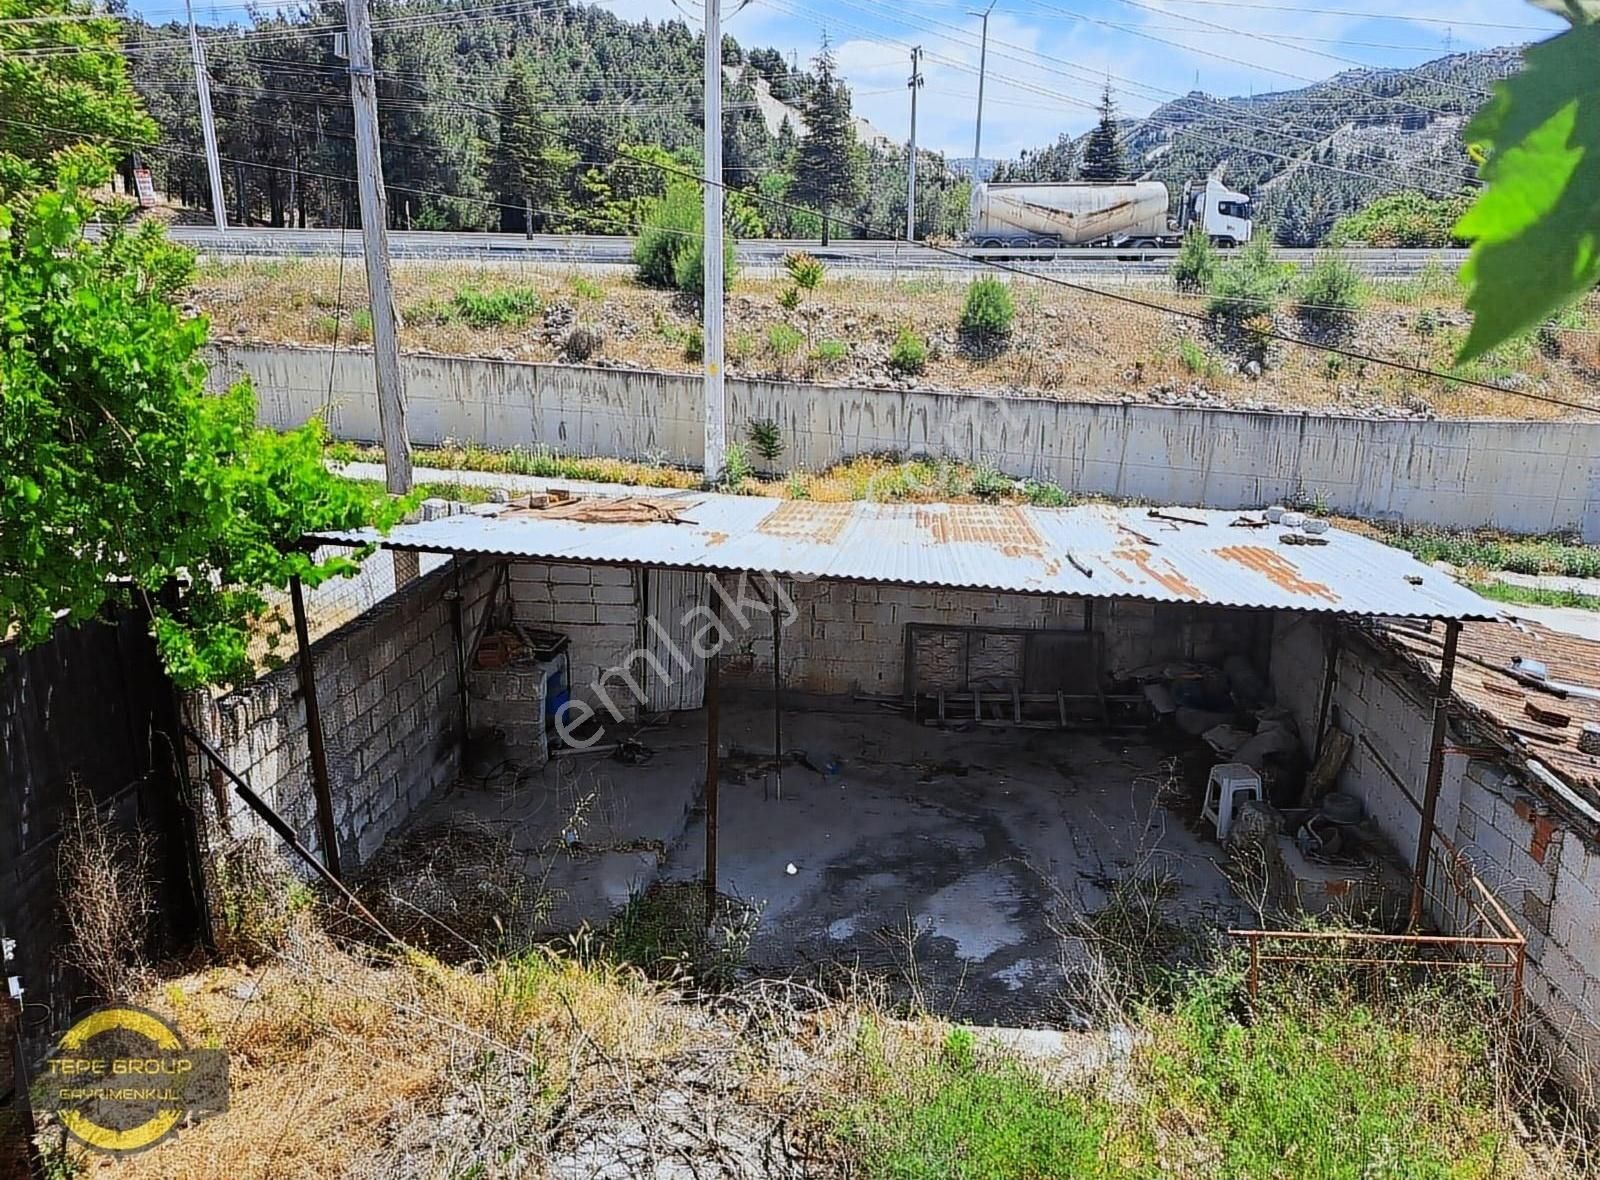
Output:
x=1311 y=155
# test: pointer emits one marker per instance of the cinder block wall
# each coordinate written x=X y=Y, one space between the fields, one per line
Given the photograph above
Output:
x=596 y=607
x=1543 y=866
x=851 y=637
x=387 y=690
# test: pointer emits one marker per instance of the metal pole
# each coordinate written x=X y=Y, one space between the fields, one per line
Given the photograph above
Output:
x=319 y=751
x=777 y=695
x=983 y=65
x=716 y=444
x=285 y=833
x=1430 y=795
x=713 y=712
x=911 y=148
x=375 y=240
x=208 y=128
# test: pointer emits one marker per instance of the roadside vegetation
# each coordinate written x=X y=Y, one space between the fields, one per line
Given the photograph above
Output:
x=856 y=329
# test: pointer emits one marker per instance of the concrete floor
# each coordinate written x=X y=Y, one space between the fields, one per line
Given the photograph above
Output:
x=932 y=855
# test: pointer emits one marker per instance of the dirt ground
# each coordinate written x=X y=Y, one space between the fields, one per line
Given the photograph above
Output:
x=1069 y=344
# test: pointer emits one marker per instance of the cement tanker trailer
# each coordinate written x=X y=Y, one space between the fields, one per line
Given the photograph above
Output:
x=1130 y=215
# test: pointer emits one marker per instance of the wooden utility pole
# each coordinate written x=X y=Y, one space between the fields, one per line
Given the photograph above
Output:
x=716 y=445
x=208 y=128
x=375 y=241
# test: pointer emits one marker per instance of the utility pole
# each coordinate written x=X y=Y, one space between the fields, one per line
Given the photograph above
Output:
x=983 y=66
x=208 y=128
x=375 y=241
x=716 y=421
x=911 y=148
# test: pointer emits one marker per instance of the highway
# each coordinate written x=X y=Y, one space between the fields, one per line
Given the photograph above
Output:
x=859 y=255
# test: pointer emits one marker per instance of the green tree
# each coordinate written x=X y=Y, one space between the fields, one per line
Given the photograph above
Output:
x=1195 y=267
x=533 y=165
x=62 y=82
x=1103 y=159
x=121 y=475
x=827 y=172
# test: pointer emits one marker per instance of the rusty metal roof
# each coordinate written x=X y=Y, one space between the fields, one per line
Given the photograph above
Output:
x=1093 y=551
x=1541 y=724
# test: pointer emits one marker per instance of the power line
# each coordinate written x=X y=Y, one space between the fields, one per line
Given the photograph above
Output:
x=1171 y=121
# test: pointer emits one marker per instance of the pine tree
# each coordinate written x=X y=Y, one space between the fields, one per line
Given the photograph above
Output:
x=827 y=174
x=533 y=166
x=1103 y=161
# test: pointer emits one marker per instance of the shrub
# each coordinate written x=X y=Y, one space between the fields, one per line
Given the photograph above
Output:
x=1197 y=360
x=989 y=484
x=736 y=469
x=789 y=298
x=1249 y=284
x=694 y=346
x=765 y=438
x=1405 y=220
x=1195 y=267
x=669 y=249
x=909 y=353
x=1330 y=293
x=988 y=314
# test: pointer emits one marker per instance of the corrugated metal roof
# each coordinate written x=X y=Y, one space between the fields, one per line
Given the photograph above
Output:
x=1129 y=553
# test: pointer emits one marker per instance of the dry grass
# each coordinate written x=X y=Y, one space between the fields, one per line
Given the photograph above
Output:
x=351 y=1063
x=107 y=899
x=1068 y=344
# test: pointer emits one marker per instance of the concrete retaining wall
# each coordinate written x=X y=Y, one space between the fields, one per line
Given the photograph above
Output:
x=1518 y=476
x=1543 y=870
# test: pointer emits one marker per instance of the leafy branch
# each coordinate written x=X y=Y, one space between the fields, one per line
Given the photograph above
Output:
x=1535 y=228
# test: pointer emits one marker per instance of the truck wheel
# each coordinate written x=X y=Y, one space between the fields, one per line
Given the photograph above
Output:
x=1224 y=241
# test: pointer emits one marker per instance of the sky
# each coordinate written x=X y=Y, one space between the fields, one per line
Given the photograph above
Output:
x=1049 y=60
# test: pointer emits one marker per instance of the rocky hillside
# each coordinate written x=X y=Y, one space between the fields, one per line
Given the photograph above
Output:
x=1314 y=154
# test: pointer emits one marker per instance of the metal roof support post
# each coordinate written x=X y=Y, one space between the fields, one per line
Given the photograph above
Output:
x=1330 y=683
x=777 y=692
x=1430 y=795
x=319 y=752
x=713 y=709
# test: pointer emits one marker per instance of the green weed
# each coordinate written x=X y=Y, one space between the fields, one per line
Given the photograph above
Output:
x=909 y=353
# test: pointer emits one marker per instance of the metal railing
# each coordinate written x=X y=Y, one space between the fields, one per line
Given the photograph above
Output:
x=1476 y=931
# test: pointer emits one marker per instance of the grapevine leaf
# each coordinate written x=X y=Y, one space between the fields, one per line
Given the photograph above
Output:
x=1536 y=226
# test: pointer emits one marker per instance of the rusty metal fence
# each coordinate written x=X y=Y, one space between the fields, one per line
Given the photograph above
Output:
x=1474 y=931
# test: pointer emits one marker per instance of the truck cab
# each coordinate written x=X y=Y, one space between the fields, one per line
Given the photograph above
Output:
x=1221 y=212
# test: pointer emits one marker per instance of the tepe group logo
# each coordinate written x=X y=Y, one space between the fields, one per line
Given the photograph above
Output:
x=121 y=1080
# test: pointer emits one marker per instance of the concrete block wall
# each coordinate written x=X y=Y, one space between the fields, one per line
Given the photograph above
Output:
x=1519 y=476
x=388 y=694
x=596 y=607
x=1542 y=867
x=851 y=637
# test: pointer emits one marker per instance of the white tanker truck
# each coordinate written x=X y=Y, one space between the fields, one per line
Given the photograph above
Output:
x=1130 y=215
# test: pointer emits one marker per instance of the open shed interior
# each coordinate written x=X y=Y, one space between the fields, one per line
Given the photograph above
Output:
x=967 y=787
